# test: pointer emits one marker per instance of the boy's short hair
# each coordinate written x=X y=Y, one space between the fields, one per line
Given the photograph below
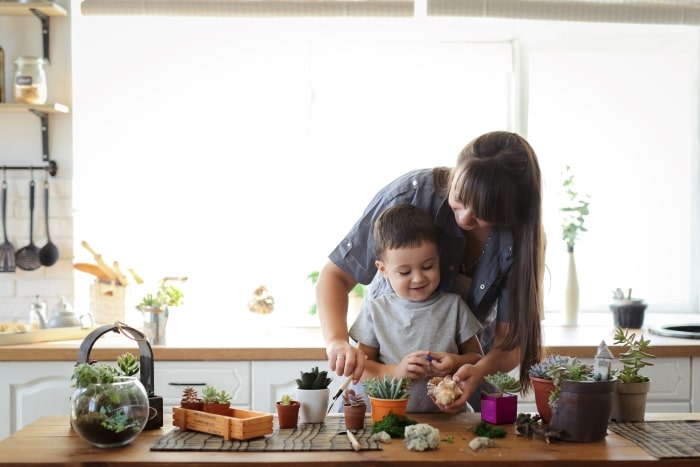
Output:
x=403 y=226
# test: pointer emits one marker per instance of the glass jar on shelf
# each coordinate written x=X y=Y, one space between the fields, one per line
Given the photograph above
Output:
x=29 y=82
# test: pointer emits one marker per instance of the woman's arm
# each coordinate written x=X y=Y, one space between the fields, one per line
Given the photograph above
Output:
x=332 y=290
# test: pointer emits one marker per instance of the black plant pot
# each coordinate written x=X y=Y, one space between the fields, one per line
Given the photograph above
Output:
x=628 y=313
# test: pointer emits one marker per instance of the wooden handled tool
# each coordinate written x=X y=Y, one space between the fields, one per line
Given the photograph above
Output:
x=92 y=269
x=353 y=441
x=120 y=275
x=100 y=262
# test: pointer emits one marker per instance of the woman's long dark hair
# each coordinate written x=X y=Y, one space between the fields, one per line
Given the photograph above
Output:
x=498 y=176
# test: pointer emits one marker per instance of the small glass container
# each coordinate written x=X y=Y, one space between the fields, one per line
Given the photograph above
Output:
x=29 y=83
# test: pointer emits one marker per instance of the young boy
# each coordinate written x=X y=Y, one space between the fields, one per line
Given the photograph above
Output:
x=417 y=331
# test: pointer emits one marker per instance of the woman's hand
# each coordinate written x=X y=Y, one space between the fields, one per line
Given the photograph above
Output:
x=468 y=377
x=345 y=359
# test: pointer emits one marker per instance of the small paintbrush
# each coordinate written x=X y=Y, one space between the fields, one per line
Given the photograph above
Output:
x=342 y=388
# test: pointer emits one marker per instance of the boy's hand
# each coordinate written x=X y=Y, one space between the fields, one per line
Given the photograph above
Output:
x=441 y=363
x=416 y=365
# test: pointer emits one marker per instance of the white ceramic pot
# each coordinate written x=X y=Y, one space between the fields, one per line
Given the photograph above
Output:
x=314 y=404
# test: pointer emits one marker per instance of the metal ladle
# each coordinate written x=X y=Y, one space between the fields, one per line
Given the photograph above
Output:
x=48 y=255
x=27 y=258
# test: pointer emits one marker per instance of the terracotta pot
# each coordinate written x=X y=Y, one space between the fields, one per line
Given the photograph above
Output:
x=218 y=409
x=382 y=407
x=583 y=410
x=354 y=416
x=499 y=410
x=288 y=415
x=630 y=402
x=543 y=387
x=192 y=405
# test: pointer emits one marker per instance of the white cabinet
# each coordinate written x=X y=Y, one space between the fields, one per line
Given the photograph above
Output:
x=30 y=390
x=271 y=379
x=172 y=377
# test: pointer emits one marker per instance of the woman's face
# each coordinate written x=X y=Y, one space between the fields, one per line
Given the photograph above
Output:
x=464 y=216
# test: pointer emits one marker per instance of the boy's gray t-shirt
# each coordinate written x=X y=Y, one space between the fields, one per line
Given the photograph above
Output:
x=398 y=326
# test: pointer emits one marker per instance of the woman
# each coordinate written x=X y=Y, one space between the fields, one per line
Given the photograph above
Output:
x=488 y=209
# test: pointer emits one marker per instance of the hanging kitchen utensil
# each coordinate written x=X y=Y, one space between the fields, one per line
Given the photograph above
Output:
x=27 y=258
x=48 y=255
x=7 y=251
x=100 y=262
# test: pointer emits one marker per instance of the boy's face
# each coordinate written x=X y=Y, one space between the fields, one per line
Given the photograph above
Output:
x=413 y=272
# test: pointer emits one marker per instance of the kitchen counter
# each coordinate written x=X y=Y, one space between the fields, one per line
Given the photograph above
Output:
x=307 y=344
x=51 y=441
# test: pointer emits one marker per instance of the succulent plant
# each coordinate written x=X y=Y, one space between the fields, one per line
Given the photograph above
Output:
x=209 y=394
x=503 y=382
x=539 y=370
x=190 y=395
x=128 y=364
x=350 y=397
x=387 y=388
x=313 y=379
x=633 y=358
x=286 y=399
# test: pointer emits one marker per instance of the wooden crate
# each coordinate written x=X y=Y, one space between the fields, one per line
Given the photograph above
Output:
x=241 y=424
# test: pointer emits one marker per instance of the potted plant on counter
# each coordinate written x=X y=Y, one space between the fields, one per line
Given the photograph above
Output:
x=542 y=383
x=109 y=407
x=387 y=395
x=190 y=399
x=354 y=409
x=216 y=402
x=155 y=307
x=502 y=406
x=287 y=412
x=313 y=395
x=629 y=402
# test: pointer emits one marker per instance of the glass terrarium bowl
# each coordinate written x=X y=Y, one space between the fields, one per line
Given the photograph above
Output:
x=112 y=414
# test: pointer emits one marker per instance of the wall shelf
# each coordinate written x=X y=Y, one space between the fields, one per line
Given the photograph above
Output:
x=41 y=111
x=25 y=8
x=42 y=10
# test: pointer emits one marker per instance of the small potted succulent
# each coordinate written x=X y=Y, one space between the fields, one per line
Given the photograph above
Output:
x=354 y=409
x=191 y=400
x=629 y=402
x=287 y=411
x=313 y=394
x=502 y=406
x=216 y=402
x=627 y=312
x=387 y=395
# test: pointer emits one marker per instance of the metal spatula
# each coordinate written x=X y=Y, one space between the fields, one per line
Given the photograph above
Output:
x=7 y=251
x=27 y=258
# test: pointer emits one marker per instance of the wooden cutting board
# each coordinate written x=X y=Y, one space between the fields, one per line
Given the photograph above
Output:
x=92 y=269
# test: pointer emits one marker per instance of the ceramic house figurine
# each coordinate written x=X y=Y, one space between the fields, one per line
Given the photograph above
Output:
x=602 y=366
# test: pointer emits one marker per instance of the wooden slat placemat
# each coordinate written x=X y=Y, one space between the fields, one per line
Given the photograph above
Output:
x=328 y=436
x=663 y=439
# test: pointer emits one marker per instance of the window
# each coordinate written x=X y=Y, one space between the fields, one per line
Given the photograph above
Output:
x=238 y=152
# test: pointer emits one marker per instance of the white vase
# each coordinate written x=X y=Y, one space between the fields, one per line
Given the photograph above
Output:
x=571 y=292
x=314 y=404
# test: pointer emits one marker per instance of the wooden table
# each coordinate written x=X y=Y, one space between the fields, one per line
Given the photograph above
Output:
x=50 y=441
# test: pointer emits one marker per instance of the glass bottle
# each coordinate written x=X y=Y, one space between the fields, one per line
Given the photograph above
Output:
x=29 y=80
